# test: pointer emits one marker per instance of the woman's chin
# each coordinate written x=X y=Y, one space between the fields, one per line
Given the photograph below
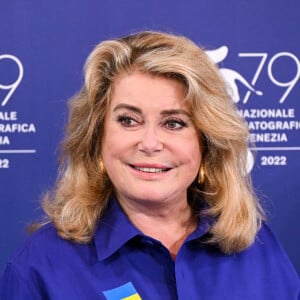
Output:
x=152 y=198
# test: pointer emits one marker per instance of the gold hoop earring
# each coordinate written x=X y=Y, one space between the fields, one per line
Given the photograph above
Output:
x=201 y=175
x=101 y=166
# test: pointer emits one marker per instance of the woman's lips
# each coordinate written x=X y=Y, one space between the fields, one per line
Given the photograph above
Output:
x=153 y=168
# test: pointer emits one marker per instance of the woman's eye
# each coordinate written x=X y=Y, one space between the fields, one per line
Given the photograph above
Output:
x=175 y=124
x=127 y=121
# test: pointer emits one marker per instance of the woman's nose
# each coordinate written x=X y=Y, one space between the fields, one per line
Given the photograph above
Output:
x=150 y=141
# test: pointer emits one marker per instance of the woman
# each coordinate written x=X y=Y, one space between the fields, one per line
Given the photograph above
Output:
x=153 y=200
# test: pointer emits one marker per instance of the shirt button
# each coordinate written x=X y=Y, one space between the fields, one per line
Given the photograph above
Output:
x=150 y=243
x=147 y=242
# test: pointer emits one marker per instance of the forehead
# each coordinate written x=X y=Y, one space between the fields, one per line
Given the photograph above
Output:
x=148 y=91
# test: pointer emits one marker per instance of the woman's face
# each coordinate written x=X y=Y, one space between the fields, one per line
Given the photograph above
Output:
x=150 y=147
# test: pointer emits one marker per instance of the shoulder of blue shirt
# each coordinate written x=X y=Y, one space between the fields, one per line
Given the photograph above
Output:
x=46 y=245
x=46 y=241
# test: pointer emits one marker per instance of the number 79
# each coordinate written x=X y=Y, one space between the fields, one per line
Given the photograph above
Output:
x=263 y=57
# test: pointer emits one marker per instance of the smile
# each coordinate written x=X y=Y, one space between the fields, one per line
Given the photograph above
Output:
x=150 y=170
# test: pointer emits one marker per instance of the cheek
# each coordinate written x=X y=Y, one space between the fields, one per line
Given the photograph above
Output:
x=111 y=149
x=191 y=148
x=194 y=155
x=111 y=137
x=115 y=145
x=189 y=155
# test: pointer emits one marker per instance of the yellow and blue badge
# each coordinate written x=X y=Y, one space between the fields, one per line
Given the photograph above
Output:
x=124 y=292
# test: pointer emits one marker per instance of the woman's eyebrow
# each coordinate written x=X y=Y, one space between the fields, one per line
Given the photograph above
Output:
x=166 y=112
x=127 y=106
x=169 y=112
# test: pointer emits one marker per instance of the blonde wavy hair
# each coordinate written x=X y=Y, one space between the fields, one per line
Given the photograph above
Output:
x=83 y=189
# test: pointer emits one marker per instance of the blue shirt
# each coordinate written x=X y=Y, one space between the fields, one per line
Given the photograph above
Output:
x=123 y=263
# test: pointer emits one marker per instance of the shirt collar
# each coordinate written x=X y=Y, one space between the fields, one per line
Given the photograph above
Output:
x=115 y=230
x=204 y=224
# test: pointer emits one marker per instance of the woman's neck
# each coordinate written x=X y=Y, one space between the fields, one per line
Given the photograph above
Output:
x=170 y=223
